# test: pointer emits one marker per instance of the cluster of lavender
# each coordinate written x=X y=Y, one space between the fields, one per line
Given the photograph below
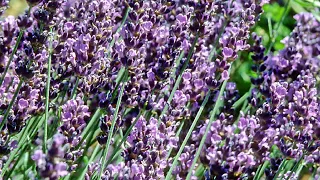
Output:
x=136 y=75
x=51 y=165
x=291 y=90
x=284 y=112
x=286 y=95
x=231 y=149
x=3 y=6
x=148 y=146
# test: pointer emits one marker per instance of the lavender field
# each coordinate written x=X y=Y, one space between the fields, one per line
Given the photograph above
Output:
x=160 y=89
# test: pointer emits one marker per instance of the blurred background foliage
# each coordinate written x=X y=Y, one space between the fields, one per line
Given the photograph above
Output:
x=17 y=7
x=272 y=26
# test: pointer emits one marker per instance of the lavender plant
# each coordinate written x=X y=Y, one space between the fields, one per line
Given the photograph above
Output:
x=108 y=89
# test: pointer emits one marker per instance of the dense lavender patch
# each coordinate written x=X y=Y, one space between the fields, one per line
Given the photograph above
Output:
x=109 y=89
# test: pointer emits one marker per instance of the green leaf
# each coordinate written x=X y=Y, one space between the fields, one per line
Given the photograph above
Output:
x=297 y=7
x=314 y=2
x=274 y=11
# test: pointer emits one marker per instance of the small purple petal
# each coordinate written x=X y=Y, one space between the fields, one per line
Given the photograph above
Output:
x=242 y=157
x=147 y=25
x=14 y=144
x=66 y=116
x=132 y=53
x=38 y=157
x=181 y=18
x=198 y=83
x=68 y=26
x=227 y=52
x=23 y=104
x=61 y=169
x=224 y=75
x=281 y=91
x=151 y=76
x=215 y=138
x=185 y=45
x=87 y=37
x=186 y=76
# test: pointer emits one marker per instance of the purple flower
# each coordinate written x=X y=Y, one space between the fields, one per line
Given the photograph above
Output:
x=39 y=158
x=68 y=26
x=147 y=25
x=198 y=83
x=224 y=75
x=227 y=52
x=22 y=103
x=182 y=19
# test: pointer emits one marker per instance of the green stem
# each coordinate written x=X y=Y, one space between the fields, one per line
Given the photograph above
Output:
x=177 y=135
x=200 y=170
x=295 y=167
x=10 y=84
x=282 y=165
x=278 y=26
x=21 y=141
x=241 y=100
x=212 y=118
x=299 y=161
x=119 y=79
x=74 y=90
x=119 y=29
x=260 y=171
x=6 y=115
x=12 y=55
x=314 y=171
x=29 y=136
x=118 y=147
x=299 y=170
x=270 y=26
x=45 y=136
x=24 y=149
x=93 y=155
x=90 y=126
x=179 y=78
x=113 y=123
x=194 y=123
x=178 y=61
